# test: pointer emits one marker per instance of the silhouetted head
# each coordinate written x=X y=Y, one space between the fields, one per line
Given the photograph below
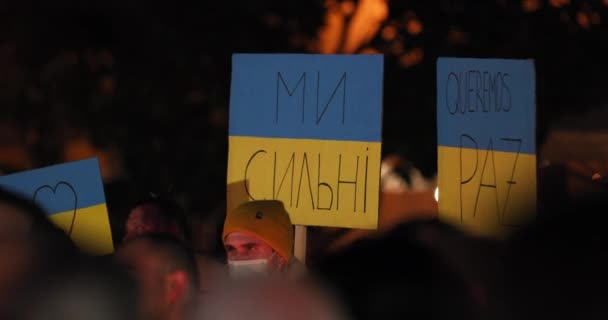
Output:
x=396 y=277
x=29 y=244
x=157 y=215
x=166 y=272
x=87 y=289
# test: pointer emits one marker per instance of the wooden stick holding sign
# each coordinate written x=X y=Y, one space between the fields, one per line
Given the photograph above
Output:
x=299 y=245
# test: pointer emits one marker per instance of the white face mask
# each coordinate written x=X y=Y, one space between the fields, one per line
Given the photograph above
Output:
x=239 y=269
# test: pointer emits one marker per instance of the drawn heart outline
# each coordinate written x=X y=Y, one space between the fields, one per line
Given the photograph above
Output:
x=54 y=190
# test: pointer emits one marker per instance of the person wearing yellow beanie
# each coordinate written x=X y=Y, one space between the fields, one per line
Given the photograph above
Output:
x=258 y=238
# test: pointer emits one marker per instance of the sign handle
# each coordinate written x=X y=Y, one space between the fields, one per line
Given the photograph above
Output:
x=300 y=244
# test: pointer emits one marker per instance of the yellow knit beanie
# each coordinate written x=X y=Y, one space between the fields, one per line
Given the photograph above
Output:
x=266 y=220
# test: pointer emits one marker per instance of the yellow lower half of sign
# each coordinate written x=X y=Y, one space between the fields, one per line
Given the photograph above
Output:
x=321 y=182
x=489 y=193
x=89 y=228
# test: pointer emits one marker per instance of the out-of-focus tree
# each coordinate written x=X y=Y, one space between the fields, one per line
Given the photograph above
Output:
x=349 y=26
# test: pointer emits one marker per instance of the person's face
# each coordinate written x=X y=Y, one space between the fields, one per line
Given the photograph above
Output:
x=145 y=219
x=241 y=246
x=147 y=268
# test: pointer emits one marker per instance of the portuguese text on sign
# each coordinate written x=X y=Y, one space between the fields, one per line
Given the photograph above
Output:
x=486 y=143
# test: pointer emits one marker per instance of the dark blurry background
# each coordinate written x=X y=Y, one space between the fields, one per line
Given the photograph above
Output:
x=145 y=85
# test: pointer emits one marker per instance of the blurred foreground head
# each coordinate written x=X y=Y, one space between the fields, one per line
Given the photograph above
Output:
x=556 y=268
x=166 y=271
x=397 y=276
x=84 y=291
x=271 y=299
x=29 y=246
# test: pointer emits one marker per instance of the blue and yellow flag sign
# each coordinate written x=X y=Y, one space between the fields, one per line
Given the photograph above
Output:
x=486 y=143
x=306 y=129
x=73 y=196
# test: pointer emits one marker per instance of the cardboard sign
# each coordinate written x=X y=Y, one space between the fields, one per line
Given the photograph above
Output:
x=73 y=196
x=486 y=143
x=306 y=129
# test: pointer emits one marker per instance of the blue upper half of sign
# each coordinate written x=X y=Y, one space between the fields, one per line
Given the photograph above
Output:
x=60 y=188
x=486 y=103
x=307 y=96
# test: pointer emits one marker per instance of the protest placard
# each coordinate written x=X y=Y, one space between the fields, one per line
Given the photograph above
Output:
x=486 y=143
x=306 y=130
x=72 y=194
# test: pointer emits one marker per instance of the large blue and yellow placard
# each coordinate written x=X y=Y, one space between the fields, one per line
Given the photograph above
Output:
x=306 y=130
x=73 y=196
x=486 y=143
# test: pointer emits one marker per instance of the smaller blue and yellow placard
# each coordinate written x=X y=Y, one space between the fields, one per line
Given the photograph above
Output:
x=73 y=196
